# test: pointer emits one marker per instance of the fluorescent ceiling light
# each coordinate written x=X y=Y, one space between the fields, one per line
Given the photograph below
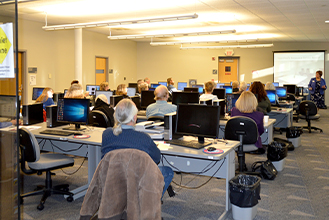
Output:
x=170 y=35
x=327 y=21
x=200 y=42
x=228 y=46
x=115 y=23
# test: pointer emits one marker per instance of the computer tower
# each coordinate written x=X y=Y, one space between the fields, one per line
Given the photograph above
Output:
x=51 y=112
x=115 y=99
x=170 y=127
x=57 y=95
x=32 y=113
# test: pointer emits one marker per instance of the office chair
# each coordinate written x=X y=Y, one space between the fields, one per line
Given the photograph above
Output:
x=156 y=118
x=38 y=163
x=97 y=118
x=245 y=130
x=309 y=111
x=292 y=97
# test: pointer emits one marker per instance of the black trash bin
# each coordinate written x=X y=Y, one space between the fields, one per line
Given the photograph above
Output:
x=277 y=151
x=293 y=135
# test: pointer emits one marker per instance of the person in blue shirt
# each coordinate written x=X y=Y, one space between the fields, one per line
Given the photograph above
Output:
x=46 y=97
x=5 y=124
x=316 y=86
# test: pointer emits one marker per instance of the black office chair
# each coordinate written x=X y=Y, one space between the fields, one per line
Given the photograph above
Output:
x=38 y=163
x=156 y=118
x=245 y=130
x=97 y=118
x=292 y=97
x=309 y=111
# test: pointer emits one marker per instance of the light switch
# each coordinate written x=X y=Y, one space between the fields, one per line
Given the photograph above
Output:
x=49 y=75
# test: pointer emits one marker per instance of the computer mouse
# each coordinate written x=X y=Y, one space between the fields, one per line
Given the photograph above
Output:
x=210 y=149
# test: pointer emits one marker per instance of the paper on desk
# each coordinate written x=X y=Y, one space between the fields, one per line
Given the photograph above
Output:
x=13 y=128
x=163 y=146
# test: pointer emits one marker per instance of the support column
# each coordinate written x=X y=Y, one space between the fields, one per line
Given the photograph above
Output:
x=78 y=54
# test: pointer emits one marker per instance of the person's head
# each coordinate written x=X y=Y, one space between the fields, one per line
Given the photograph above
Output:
x=318 y=74
x=75 y=82
x=235 y=84
x=75 y=91
x=258 y=89
x=170 y=81
x=143 y=87
x=243 y=86
x=104 y=86
x=125 y=114
x=140 y=81
x=209 y=87
x=46 y=93
x=161 y=93
x=247 y=102
x=269 y=86
x=121 y=89
x=147 y=80
x=101 y=98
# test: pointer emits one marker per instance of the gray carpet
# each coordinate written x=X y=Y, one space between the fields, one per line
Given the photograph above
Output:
x=300 y=191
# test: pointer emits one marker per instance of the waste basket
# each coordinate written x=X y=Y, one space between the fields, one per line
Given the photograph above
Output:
x=277 y=152
x=244 y=196
x=293 y=135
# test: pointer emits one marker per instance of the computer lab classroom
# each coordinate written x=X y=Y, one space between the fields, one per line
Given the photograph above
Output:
x=222 y=41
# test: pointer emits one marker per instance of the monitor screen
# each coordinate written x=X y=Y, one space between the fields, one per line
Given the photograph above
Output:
x=37 y=91
x=151 y=89
x=74 y=111
x=198 y=120
x=271 y=94
x=220 y=85
x=200 y=87
x=291 y=88
x=230 y=101
x=228 y=89
x=275 y=84
x=65 y=91
x=135 y=85
x=185 y=97
x=220 y=93
x=115 y=99
x=92 y=89
x=8 y=106
x=108 y=94
x=281 y=91
x=163 y=83
x=131 y=91
x=147 y=98
x=154 y=85
x=181 y=85
x=191 y=89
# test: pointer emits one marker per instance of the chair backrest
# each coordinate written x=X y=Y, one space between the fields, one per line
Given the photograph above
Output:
x=156 y=118
x=29 y=144
x=291 y=97
x=307 y=108
x=98 y=119
x=240 y=125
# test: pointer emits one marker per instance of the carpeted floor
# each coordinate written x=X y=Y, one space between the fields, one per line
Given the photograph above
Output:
x=300 y=191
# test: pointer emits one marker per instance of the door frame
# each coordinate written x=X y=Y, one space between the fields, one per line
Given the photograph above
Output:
x=230 y=57
x=25 y=85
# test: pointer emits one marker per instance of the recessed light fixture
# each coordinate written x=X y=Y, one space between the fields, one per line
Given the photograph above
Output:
x=201 y=42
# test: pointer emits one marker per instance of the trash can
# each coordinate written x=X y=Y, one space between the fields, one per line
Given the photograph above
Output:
x=276 y=153
x=244 y=196
x=293 y=135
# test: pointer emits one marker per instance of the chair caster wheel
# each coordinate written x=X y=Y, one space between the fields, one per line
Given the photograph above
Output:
x=69 y=199
x=40 y=207
x=21 y=200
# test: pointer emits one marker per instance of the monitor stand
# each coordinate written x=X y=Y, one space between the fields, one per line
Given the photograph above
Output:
x=75 y=128
x=202 y=142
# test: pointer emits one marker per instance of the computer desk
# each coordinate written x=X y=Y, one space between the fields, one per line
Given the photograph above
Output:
x=284 y=117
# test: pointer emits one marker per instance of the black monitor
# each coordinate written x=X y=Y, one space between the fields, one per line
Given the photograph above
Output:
x=220 y=93
x=73 y=111
x=220 y=85
x=191 y=89
x=57 y=95
x=135 y=85
x=291 y=88
x=200 y=88
x=108 y=94
x=185 y=97
x=228 y=89
x=275 y=84
x=37 y=91
x=281 y=91
x=92 y=89
x=230 y=101
x=271 y=94
x=137 y=100
x=114 y=99
x=198 y=120
x=8 y=106
x=147 y=98
x=131 y=91
x=151 y=89
x=154 y=85
x=163 y=83
x=181 y=85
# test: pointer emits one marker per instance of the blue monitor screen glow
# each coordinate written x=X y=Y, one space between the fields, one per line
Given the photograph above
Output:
x=92 y=89
x=200 y=88
x=228 y=89
x=275 y=84
x=281 y=91
x=154 y=85
x=271 y=94
x=163 y=83
x=37 y=92
x=181 y=85
x=230 y=101
x=220 y=85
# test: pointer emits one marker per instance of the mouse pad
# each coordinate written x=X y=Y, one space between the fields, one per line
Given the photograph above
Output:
x=84 y=136
x=218 y=151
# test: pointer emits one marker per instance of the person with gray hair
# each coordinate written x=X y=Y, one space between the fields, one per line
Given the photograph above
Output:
x=161 y=106
x=243 y=87
x=269 y=86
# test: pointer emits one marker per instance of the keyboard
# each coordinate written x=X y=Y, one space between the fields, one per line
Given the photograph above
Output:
x=57 y=132
x=190 y=144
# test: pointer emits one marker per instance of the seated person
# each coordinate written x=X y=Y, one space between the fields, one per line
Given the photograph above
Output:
x=160 y=107
x=270 y=86
x=75 y=91
x=104 y=86
x=148 y=81
x=170 y=85
x=122 y=90
x=46 y=97
x=74 y=82
x=246 y=106
x=139 y=81
x=209 y=88
x=101 y=104
x=243 y=87
x=5 y=124
x=263 y=102
x=235 y=86
x=123 y=135
x=142 y=87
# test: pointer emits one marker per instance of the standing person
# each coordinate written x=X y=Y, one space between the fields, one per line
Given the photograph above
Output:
x=235 y=86
x=46 y=97
x=104 y=86
x=263 y=102
x=209 y=88
x=102 y=104
x=316 y=86
x=170 y=85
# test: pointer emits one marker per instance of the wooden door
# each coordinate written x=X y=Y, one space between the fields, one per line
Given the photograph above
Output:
x=227 y=69
x=100 y=71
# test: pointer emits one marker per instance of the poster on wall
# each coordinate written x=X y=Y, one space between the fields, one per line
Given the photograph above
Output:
x=6 y=51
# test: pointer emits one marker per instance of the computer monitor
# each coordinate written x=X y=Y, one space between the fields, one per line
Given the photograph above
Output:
x=198 y=120
x=151 y=89
x=147 y=98
x=73 y=111
x=163 y=83
x=131 y=91
x=65 y=91
x=220 y=93
x=92 y=89
x=275 y=84
x=8 y=106
x=57 y=95
x=115 y=99
x=271 y=94
x=185 y=97
x=181 y=85
x=230 y=101
x=154 y=85
x=135 y=85
x=137 y=100
x=291 y=88
x=37 y=91
x=220 y=85
x=199 y=86
x=281 y=91
x=108 y=94
x=228 y=89
x=191 y=89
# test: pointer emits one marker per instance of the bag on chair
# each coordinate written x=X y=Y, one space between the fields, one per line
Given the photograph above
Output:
x=267 y=169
